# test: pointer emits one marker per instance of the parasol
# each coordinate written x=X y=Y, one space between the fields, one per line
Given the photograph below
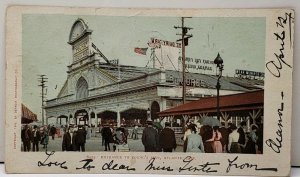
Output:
x=210 y=121
x=157 y=125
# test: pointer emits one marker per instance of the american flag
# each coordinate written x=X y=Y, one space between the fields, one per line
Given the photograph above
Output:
x=141 y=51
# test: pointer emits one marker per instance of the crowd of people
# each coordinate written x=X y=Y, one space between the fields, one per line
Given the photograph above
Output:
x=33 y=136
x=205 y=139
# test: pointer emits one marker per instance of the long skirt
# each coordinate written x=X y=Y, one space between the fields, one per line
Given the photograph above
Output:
x=208 y=148
x=235 y=148
x=218 y=148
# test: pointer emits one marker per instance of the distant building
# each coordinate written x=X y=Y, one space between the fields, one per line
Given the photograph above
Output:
x=98 y=91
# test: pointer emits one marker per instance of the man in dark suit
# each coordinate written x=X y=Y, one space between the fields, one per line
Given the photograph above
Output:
x=36 y=137
x=242 y=138
x=106 y=137
x=150 y=138
x=81 y=138
x=167 y=139
x=69 y=140
x=26 y=138
x=53 y=131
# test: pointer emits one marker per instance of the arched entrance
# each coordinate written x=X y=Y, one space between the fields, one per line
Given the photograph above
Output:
x=108 y=117
x=133 y=116
x=81 y=117
x=154 y=110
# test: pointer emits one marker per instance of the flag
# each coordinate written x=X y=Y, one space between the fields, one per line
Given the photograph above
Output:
x=141 y=51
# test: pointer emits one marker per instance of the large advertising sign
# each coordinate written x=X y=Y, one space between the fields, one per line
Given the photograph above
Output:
x=157 y=43
x=196 y=65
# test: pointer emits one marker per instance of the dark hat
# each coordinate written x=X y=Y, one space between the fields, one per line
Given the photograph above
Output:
x=149 y=122
x=167 y=124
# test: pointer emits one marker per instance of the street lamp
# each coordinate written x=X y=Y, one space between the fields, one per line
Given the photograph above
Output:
x=219 y=62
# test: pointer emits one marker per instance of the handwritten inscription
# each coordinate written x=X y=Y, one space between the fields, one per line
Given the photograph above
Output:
x=115 y=166
x=48 y=163
x=152 y=166
x=206 y=168
x=276 y=144
x=284 y=25
x=241 y=166
x=86 y=165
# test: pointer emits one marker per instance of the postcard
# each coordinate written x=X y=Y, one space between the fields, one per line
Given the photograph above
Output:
x=158 y=91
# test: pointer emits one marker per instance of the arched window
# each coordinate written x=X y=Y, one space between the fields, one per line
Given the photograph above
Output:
x=82 y=88
x=154 y=110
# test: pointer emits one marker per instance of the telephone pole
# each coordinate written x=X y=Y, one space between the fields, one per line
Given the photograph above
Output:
x=184 y=42
x=42 y=80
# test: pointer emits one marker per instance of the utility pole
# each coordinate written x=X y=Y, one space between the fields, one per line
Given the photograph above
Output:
x=118 y=108
x=42 y=80
x=184 y=42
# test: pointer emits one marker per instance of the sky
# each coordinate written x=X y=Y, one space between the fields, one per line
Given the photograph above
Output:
x=239 y=40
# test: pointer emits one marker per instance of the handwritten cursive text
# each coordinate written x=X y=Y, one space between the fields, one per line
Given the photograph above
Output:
x=49 y=164
x=276 y=144
x=206 y=167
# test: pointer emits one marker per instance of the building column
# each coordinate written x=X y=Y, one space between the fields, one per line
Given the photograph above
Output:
x=163 y=104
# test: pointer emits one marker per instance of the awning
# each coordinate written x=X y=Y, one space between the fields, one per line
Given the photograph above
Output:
x=235 y=102
x=27 y=115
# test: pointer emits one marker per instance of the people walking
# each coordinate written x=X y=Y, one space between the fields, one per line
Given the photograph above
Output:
x=251 y=141
x=233 y=140
x=187 y=132
x=80 y=138
x=44 y=137
x=106 y=136
x=88 y=131
x=242 y=137
x=69 y=140
x=215 y=139
x=53 y=131
x=150 y=138
x=26 y=137
x=260 y=137
x=167 y=139
x=36 y=137
x=206 y=133
x=194 y=141
x=119 y=138
x=225 y=135
x=134 y=134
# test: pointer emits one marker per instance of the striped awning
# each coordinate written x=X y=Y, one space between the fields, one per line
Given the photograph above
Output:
x=27 y=115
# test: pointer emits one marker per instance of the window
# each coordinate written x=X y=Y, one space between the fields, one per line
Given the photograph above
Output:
x=82 y=88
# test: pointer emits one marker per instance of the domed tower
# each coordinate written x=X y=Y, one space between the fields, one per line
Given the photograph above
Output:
x=80 y=40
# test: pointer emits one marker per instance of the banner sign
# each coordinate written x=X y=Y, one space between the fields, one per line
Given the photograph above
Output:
x=156 y=43
x=242 y=73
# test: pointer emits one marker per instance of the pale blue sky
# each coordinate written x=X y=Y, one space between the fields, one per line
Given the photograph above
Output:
x=240 y=41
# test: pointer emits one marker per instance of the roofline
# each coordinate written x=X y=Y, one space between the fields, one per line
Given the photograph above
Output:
x=169 y=111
